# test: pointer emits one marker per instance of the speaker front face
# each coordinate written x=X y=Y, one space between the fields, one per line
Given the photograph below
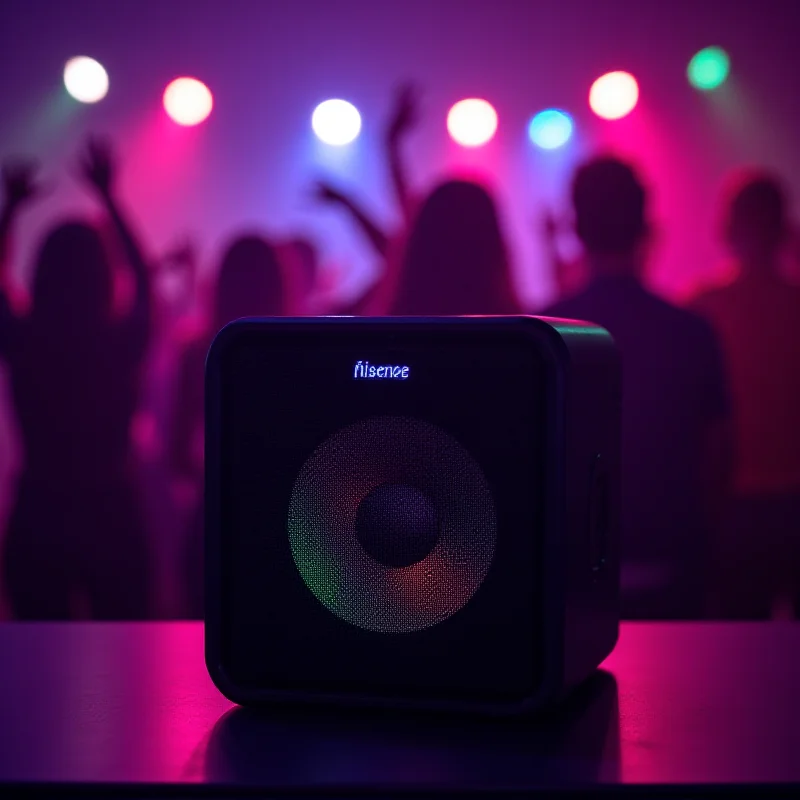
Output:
x=376 y=507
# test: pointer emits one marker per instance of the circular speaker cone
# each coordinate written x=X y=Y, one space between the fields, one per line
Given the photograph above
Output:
x=397 y=525
x=392 y=524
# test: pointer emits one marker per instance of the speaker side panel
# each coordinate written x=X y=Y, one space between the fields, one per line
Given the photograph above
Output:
x=593 y=436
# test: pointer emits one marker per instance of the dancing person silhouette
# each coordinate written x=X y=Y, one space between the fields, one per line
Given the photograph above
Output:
x=456 y=258
x=74 y=535
x=756 y=316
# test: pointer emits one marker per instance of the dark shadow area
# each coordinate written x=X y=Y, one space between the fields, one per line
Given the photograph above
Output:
x=574 y=745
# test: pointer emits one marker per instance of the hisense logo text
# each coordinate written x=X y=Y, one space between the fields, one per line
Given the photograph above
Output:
x=363 y=370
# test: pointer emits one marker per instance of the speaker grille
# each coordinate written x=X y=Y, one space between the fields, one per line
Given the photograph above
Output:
x=421 y=491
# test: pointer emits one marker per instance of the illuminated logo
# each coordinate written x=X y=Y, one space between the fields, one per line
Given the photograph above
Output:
x=363 y=370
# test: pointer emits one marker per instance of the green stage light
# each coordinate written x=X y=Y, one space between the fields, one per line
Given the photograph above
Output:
x=709 y=68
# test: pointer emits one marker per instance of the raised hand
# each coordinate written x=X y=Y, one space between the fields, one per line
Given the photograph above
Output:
x=326 y=193
x=98 y=166
x=405 y=112
x=19 y=182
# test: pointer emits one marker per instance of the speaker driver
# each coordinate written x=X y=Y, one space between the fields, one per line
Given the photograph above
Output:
x=392 y=524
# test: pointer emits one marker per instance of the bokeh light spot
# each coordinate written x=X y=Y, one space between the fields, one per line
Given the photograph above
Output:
x=85 y=79
x=550 y=129
x=708 y=69
x=472 y=122
x=188 y=101
x=614 y=95
x=336 y=122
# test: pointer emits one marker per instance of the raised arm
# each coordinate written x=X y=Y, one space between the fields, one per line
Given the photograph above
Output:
x=402 y=120
x=99 y=171
x=19 y=187
x=335 y=197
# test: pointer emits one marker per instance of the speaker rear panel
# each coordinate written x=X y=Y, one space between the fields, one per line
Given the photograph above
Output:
x=315 y=465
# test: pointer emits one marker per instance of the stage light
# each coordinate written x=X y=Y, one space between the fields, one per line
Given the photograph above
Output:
x=85 y=79
x=472 y=122
x=709 y=68
x=188 y=101
x=336 y=122
x=550 y=129
x=614 y=95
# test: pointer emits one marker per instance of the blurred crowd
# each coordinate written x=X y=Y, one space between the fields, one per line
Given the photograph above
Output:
x=105 y=373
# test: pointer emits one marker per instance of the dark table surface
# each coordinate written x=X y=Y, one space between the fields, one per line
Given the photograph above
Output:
x=680 y=705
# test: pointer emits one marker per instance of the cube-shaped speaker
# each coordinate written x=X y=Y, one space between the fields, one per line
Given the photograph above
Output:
x=415 y=512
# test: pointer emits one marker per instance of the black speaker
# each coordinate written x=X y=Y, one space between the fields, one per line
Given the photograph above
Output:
x=415 y=512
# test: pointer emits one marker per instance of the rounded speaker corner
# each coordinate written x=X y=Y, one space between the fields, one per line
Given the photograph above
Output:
x=226 y=686
x=223 y=339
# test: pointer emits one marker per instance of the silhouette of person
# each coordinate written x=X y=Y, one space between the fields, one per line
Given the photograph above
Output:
x=676 y=440
x=388 y=246
x=249 y=284
x=74 y=534
x=455 y=260
x=756 y=317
